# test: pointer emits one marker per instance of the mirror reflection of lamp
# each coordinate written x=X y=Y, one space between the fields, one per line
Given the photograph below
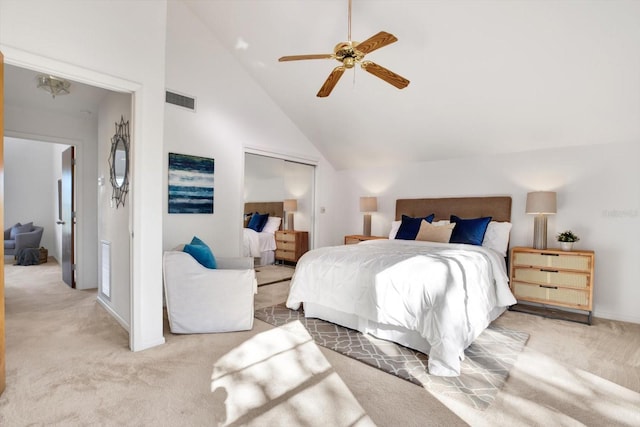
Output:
x=368 y=205
x=540 y=204
x=290 y=206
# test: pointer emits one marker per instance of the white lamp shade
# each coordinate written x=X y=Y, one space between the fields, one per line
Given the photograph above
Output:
x=541 y=202
x=368 y=204
x=290 y=205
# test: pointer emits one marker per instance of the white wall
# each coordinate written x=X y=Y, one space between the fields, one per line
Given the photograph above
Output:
x=598 y=198
x=84 y=41
x=113 y=223
x=32 y=169
x=232 y=113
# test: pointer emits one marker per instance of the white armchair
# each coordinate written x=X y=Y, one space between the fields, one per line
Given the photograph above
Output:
x=202 y=300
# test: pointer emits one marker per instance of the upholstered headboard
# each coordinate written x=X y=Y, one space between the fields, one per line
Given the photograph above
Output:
x=272 y=208
x=497 y=207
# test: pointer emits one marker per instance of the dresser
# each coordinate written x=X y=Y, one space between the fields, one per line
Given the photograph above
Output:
x=352 y=239
x=291 y=245
x=554 y=281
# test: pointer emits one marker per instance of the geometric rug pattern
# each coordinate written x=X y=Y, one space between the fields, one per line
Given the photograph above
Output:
x=483 y=372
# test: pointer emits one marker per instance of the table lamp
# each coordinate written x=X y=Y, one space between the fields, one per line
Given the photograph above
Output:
x=290 y=206
x=540 y=204
x=368 y=205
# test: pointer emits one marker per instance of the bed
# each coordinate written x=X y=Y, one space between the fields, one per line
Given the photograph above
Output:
x=262 y=245
x=433 y=297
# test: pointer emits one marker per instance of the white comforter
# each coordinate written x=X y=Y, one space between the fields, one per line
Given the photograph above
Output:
x=255 y=243
x=448 y=293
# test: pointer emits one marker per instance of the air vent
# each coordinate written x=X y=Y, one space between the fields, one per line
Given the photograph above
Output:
x=181 y=100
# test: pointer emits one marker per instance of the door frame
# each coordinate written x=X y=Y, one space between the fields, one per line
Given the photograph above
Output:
x=43 y=64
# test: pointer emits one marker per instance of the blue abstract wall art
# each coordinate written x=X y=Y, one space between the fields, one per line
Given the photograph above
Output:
x=190 y=184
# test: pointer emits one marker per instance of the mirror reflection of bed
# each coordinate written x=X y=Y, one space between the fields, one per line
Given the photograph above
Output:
x=261 y=245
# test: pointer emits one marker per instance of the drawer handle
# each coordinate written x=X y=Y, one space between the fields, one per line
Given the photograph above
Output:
x=548 y=254
x=548 y=270
x=549 y=287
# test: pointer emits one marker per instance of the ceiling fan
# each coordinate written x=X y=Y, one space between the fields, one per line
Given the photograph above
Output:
x=349 y=54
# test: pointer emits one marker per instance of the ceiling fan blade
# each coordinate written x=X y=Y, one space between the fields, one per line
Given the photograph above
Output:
x=302 y=57
x=331 y=82
x=386 y=75
x=376 y=42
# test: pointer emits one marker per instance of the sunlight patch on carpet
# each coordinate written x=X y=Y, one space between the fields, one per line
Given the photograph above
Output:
x=280 y=377
x=483 y=372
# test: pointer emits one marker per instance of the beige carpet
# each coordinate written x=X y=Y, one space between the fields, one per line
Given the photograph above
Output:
x=68 y=364
x=270 y=274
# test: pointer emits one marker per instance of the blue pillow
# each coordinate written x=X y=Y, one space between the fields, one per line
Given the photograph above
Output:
x=469 y=231
x=201 y=252
x=409 y=227
x=258 y=221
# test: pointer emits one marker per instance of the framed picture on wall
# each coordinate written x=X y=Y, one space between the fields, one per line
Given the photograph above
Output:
x=190 y=184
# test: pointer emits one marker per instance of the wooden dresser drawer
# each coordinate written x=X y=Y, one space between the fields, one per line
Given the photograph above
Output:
x=285 y=237
x=552 y=277
x=551 y=295
x=554 y=260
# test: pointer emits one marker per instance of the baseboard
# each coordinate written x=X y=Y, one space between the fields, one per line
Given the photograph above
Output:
x=115 y=315
x=616 y=316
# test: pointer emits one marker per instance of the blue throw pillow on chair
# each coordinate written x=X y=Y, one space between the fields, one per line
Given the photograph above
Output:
x=201 y=252
x=469 y=231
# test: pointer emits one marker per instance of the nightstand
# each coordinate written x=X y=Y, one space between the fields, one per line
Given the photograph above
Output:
x=554 y=280
x=352 y=239
x=291 y=245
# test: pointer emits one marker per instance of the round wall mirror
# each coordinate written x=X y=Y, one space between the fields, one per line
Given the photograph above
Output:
x=119 y=163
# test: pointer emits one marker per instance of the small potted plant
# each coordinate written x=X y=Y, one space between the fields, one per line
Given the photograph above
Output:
x=567 y=239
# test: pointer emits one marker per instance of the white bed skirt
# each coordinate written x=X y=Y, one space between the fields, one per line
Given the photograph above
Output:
x=402 y=336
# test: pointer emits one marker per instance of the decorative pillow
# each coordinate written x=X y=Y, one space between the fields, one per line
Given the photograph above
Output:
x=19 y=229
x=469 y=231
x=435 y=233
x=497 y=237
x=272 y=225
x=258 y=221
x=201 y=252
x=409 y=227
x=395 y=225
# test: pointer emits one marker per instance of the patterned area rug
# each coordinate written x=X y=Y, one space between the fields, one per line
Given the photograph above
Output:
x=483 y=373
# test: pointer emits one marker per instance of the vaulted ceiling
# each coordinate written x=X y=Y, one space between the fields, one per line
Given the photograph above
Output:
x=487 y=76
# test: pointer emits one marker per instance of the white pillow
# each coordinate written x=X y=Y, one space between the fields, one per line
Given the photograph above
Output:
x=497 y=237
x=272 y=225
x=395 y=225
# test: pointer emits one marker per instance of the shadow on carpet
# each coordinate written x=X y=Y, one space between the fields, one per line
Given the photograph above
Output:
x=483 y=372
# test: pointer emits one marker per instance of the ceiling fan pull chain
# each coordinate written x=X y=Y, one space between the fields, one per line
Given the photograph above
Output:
x=349 y=26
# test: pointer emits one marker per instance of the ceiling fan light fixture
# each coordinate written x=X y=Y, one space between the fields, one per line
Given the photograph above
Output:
x=53 y=85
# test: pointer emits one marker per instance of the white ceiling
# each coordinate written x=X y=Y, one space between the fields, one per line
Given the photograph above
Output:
x=21 y=91
x=486 y=76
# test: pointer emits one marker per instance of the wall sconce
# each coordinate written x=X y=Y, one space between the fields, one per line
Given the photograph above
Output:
x=290 y=206
x=540 y=204
x=368 y=205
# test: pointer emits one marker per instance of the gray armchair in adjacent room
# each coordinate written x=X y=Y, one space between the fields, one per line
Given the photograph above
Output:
x=22 y=236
